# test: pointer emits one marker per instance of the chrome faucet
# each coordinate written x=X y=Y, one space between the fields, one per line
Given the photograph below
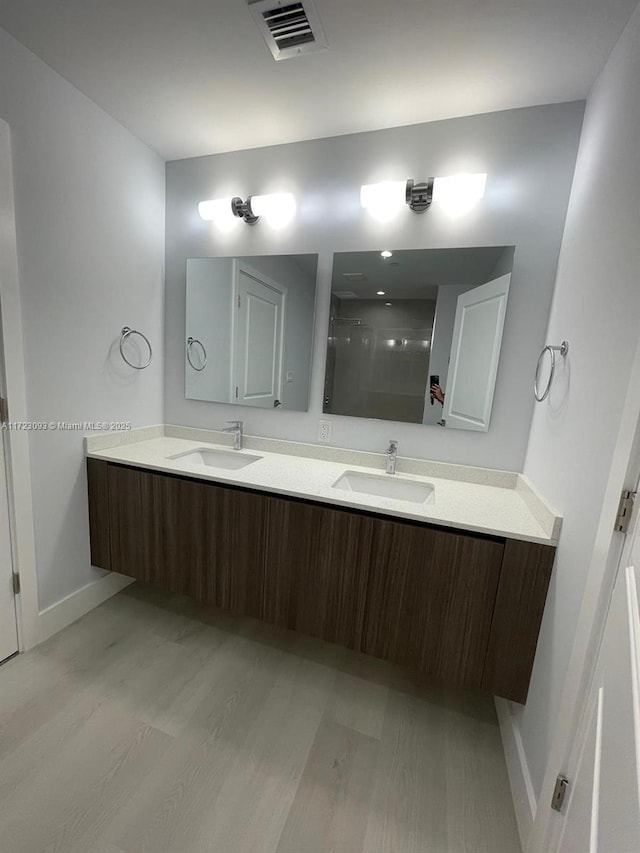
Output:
x=392 y=457
x=236 y=429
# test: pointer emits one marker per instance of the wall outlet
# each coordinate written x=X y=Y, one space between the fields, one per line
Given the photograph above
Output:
x=324 y=431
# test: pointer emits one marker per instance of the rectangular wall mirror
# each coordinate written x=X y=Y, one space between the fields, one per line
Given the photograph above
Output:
x=249 y=330
x=413 y=321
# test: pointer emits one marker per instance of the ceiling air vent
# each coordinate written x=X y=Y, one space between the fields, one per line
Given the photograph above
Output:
x=289 y=29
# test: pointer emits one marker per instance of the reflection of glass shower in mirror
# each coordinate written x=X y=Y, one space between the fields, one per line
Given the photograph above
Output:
x=396 y=322
x=249 y=330
x=381 y=356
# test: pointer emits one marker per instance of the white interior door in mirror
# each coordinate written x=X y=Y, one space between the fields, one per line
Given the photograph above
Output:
x=260 y=305
x=475 y=350
x=211 y=291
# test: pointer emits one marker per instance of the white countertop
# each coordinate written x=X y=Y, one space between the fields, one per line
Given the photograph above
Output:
x=516 y=512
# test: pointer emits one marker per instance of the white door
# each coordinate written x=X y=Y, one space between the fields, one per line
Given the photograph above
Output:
x=475 y=349
x=603 y=811
x=8 y=626
x=258 y=340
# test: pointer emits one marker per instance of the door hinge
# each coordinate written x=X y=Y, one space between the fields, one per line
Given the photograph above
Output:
x=4 y=410
x=16 y=584
x=238 y=301
x=236 y=392
x=559 y=793
x=625 y=511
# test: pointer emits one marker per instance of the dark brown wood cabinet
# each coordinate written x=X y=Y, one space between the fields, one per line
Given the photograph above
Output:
x=188 y=537
x=465 y=608
x=331 y=554
x=430 y=599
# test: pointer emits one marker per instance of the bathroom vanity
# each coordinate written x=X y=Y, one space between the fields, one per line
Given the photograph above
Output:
x=423 y=579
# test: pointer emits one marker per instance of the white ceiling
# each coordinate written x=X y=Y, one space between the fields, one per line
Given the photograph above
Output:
x=414 y=273
x=193 y=77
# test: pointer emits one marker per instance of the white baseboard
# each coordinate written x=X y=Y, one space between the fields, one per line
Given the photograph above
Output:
x=66 y=611
x=522 y=792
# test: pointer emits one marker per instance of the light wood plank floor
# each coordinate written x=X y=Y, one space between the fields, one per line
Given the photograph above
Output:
x=155 y=725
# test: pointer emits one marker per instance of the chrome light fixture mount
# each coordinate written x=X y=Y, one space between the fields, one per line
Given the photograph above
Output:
x=277 y=209
x=419 y=196
x=242 y=209
x=456 y=194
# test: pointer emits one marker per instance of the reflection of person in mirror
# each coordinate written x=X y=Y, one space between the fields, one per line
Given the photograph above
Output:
x=437 y=394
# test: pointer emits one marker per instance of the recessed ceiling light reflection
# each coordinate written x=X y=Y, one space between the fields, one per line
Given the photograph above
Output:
x=387 y=303
x=380 y=292
x=386 y=254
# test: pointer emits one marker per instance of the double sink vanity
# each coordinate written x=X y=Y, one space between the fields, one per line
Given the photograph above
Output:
x=361 y=482
x=439 y=567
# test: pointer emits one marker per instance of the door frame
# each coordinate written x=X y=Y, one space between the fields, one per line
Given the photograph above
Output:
x=240 y=266
x=14 y=385
x=606 y=556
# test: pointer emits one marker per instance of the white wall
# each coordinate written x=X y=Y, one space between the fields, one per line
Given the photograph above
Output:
x=89 y=202
x=596 y=307
x=529 y=155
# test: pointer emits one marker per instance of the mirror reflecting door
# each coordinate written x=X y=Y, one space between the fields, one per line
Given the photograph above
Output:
x=473 y=358
x=258 y=338
x=249 y=330
x=414 y=338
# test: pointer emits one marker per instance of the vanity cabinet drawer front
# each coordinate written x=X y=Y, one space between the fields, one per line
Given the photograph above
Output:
x=99 y=516
x=430 y=600
x=145 y=528
x=524 y=582
x=192 y=538
x=330 y=554
x=235 y=551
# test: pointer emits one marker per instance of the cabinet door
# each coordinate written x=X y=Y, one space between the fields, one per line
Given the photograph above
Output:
x=281 y=558
x=524 y=581
x=99 y=520
x=133 y=527
x=190 y=537
x=231 y=574
x=150 y=517
x=329 y=559
x=430 y=600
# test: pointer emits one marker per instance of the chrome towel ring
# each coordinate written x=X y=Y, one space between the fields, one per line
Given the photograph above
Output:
x=190 y=343
x=563 y=349
x=126 y=332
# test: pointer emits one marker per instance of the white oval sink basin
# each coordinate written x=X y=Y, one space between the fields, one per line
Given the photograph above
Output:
x=207 y=456
x=386 y=486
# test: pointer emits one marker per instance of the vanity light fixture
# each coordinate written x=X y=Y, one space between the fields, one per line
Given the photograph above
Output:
x=218 y=211
x=278 y=209
x=456 y=194
x=383 y=200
